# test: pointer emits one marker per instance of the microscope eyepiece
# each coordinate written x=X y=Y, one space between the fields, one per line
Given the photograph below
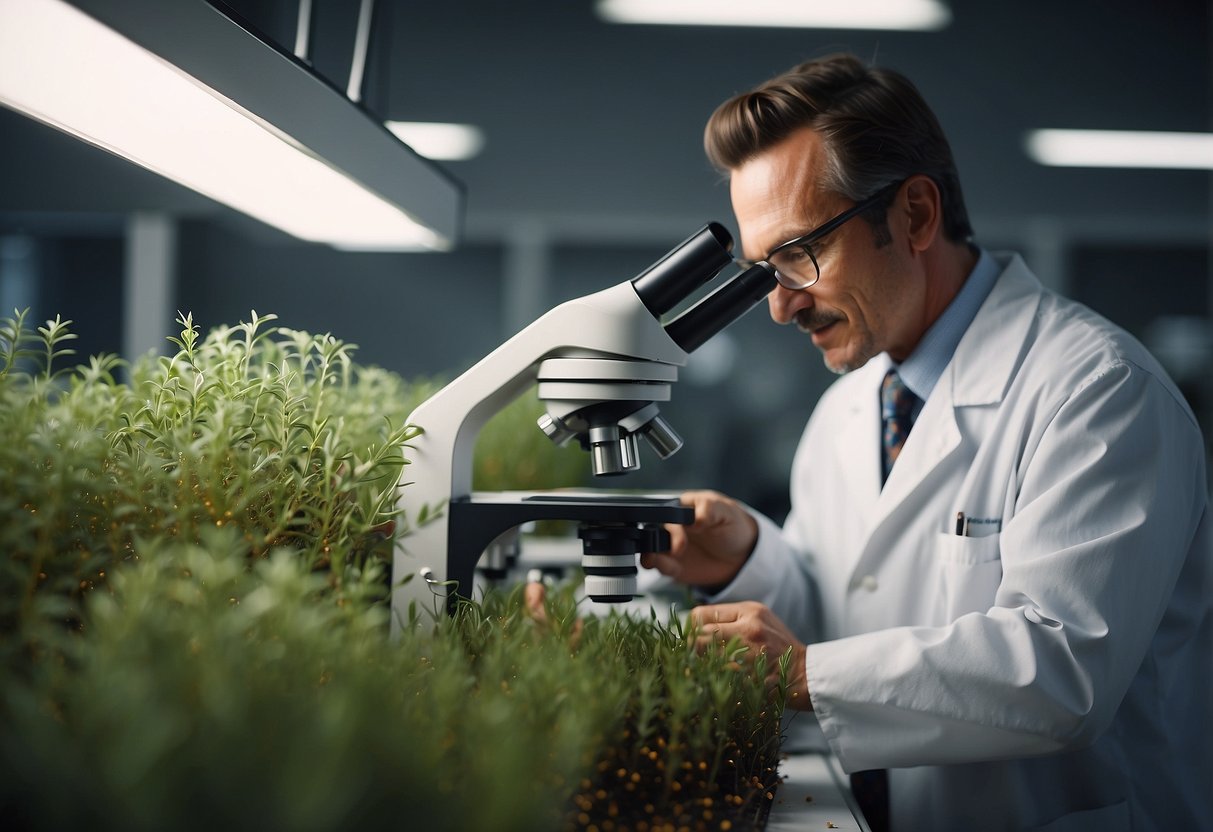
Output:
x=694 y=262
x=723 y=306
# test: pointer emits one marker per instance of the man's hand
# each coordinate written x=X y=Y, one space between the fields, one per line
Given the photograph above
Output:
x=534 y=601
x=712 y=550
x=534 y=594
x=764 y=633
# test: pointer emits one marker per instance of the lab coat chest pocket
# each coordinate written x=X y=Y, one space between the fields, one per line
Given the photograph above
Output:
x=970 y=570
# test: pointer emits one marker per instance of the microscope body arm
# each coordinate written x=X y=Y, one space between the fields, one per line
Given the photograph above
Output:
x=613 y=323
x=602 y=361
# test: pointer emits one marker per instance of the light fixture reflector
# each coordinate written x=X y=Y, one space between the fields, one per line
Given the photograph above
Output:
x=893 y=15
x=1121 y=149
x=64 y=68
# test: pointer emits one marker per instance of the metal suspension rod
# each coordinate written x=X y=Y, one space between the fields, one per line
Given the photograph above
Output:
x=303 y=31
x=362 y=43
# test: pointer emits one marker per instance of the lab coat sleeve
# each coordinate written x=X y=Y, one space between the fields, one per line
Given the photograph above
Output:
x=776 y=575
x=1108 y=495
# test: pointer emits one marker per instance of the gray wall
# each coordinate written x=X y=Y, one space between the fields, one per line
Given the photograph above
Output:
x=593 y=169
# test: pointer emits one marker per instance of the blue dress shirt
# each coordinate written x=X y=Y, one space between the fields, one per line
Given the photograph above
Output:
x=922 y=369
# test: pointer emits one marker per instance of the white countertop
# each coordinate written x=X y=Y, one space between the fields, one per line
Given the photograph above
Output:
x=813 y=797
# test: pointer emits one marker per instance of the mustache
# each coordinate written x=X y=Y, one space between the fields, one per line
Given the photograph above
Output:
x=811 y=320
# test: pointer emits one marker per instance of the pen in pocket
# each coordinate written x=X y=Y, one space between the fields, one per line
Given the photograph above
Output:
x=962 y=525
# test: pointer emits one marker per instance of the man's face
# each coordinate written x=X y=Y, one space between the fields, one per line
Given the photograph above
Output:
x=869 y=297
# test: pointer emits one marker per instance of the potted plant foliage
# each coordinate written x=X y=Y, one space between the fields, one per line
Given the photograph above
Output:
x=193 y=623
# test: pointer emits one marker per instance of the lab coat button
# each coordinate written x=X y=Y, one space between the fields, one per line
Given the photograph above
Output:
x=868 y=582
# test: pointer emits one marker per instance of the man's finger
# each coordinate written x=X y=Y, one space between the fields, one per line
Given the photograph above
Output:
x=663 y=563
x=678 y=536
x=533 y=595
x=716 y=614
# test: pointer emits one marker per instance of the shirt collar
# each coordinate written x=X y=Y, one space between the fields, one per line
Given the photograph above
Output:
x=923 y=368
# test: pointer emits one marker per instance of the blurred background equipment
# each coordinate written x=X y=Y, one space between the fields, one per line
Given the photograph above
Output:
x=589 y=163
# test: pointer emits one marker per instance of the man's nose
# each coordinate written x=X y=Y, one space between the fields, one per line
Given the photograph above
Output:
x=785 y=303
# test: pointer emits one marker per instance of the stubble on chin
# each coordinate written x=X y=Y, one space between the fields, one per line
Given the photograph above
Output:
x=857 y=354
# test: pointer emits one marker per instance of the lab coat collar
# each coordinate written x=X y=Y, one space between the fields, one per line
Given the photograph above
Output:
x=985 y=359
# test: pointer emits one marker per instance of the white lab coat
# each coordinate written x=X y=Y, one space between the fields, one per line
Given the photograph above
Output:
x=1052 y=670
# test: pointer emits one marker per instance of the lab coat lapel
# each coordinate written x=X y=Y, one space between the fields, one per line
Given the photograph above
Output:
x=934 y=436
x=858 y=443
x=978 y=375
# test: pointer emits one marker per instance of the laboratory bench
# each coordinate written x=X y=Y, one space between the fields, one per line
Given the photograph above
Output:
x=814 y=795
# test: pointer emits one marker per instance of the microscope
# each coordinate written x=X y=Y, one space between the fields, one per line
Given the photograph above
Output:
x=603 y=363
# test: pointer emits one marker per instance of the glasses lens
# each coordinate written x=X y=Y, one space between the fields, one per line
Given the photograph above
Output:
x=795 y=267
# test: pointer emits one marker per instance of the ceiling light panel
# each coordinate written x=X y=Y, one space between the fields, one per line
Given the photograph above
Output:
x=1121 y=149
x=896 y=15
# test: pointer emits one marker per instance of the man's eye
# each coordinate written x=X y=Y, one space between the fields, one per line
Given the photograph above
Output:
x=795 y=255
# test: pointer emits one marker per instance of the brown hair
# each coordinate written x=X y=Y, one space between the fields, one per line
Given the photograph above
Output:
x=877 y=130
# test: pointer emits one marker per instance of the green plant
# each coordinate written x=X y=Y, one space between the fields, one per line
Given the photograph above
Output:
x=695 y=741
x=512 y=453
x=273 y=432
x=194 y=623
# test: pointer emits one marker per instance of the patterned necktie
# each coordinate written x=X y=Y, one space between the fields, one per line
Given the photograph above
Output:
x=871 y=788
x=896 y=417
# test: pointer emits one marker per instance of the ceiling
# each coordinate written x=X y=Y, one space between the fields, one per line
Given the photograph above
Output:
x=595 y=128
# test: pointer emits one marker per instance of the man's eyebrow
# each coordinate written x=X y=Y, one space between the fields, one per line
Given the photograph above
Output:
x=789 y=233
x=797 y=231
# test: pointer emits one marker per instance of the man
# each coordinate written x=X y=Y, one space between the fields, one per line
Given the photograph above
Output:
x=996 y=583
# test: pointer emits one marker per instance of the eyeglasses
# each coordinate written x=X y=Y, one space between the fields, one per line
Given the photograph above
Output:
x=794 y=262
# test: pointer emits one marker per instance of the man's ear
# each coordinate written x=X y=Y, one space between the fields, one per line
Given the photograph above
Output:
x=922 y=211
